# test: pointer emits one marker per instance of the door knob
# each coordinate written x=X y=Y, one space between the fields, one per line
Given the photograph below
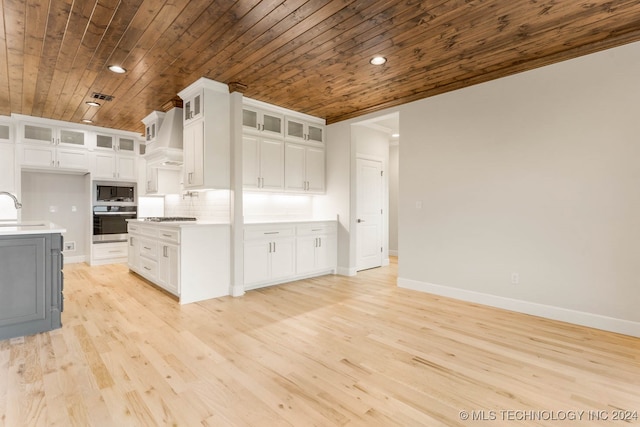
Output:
x=360 y=220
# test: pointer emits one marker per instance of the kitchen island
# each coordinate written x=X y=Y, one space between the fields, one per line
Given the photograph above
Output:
x=188 y=259
x=31 y=280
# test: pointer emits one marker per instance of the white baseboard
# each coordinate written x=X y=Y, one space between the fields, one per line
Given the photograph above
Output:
x=582 y=318
x=393 y=252
x=74 y=259
x=346 y=271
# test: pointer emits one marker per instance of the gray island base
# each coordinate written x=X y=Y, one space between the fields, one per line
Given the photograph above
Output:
x=31 y=278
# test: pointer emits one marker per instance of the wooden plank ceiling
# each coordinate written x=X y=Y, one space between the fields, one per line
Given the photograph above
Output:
x=311 y=56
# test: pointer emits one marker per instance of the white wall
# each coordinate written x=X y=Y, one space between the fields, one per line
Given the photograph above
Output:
x=394 y=153
x=539 y=174
x=63 y=199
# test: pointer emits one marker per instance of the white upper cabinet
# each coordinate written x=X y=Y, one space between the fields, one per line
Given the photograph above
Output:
x=304 y=131
x=263 y=163
x=193 y=107
x=207 y=136
x=263 y=122
x=152 y=124
x=36 y=133
x=304 y=168
x=115 y=158
x=5 y=132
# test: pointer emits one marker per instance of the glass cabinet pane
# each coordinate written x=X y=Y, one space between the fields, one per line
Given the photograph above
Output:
x=104 y=141
x=4 y=132
x=127 y=144
x=272 y=123
x=250 y=118
x=295 y=129
x=71 y=137
x=196 y=106
x=38 y=133
x=315 y=134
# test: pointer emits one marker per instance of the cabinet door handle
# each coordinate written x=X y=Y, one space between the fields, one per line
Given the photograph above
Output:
x=319 y=242
x=147 y=248
x=271 y=232
x=131 y=241
x=58 y=163
x=147 y=268
x=274 y=246
x=164 y=252
x=270 y=247
x=166 y=235
x=262 y=183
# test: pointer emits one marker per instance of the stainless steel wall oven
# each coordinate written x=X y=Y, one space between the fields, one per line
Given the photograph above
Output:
x=113 y=204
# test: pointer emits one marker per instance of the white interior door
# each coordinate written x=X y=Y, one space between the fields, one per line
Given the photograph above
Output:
x=369 y=214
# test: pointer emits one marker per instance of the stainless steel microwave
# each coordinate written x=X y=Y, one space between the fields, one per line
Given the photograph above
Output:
x=114 y=193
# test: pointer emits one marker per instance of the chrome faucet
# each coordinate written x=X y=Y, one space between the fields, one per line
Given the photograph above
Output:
x=15 y=199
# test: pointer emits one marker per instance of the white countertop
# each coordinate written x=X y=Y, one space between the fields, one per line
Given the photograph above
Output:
x=286 y=221
x=175 y=224
x=12 y=228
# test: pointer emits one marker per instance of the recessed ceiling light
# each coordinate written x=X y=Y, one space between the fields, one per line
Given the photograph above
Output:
x=87 y=121
x=378 y=60
x=117 y=69
x=395 y=135
x=93 y=103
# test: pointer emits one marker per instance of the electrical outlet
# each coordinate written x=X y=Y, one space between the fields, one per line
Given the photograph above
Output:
x=515 y=278
x=70 y=246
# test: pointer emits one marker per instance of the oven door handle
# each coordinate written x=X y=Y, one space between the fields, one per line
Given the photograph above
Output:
x=115 y=213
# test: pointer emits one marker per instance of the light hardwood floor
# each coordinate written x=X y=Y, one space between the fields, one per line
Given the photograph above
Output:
x=330 y=351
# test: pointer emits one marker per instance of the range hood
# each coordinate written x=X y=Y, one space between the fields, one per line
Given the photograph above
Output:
x=166 y=150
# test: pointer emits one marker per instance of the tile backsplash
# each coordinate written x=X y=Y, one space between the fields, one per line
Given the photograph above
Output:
x=212 y=205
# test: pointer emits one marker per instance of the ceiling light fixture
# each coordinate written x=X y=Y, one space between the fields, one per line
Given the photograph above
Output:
x=87 y=121
x=93 y=103
x=117 y=69
x=395 y=135
x=378 y=60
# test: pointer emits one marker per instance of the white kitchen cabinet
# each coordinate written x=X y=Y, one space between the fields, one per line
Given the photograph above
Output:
x=269 y=257
x=162 y=180
x=109 y=253
x=5 y=132
x=193 y=145
x=189 y=260
x=115 y=166
x=152 y=124
x=303 y=131
x=110 y=143
x=316 y=248
x=44 y=134
x=55 y=157
x=304 y=168
x=169 y=267
x=255 y=120
x=193 y=107
x=7 y=167
x=284 y=252
x=207 y=137
x=133 y=254
x=263 y=163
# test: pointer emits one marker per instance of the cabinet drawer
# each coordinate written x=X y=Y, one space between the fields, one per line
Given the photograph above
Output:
x=171 y=236
x=148 y=231
x=251 y=233
x=315 y=229
x=149 y=249
x=133 y=228
x=149 y=267
x=110 y=250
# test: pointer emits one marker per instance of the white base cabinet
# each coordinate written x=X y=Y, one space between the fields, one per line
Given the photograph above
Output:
x=188 y=260
x=279 y=253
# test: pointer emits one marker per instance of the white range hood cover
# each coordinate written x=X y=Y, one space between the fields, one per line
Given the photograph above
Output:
x=166 y=150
